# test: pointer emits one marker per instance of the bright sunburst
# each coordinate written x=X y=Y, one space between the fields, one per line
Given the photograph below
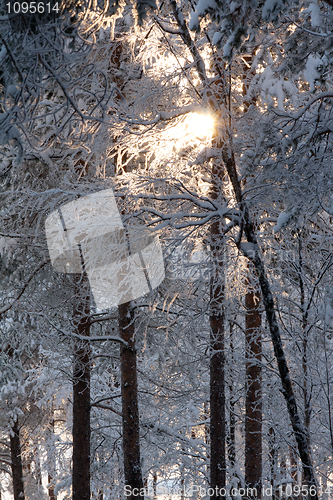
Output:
x=199 y=125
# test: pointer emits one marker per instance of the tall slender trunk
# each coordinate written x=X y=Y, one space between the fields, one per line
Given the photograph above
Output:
x=232 y=403
x=15 y=452
x=304 y=321
x=130 y=407
x=217 y=368
x=293 y=464
x=81 y=391
x=52 y=496
x=155 y=486
x=283 y=475
x=253 y=405
x=207 y=439
x=17 y=469
x=273 y=456
x=287 y=388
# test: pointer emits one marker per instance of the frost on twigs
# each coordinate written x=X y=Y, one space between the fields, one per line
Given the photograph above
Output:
x=88 y=235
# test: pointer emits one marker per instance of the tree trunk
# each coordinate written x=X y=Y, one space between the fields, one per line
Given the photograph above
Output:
x=81 y=391
x=17 y=470
x=155 y=485
x=232 y=403
x=52 y=496
x=293 y=465
x=217 y=368
x=272 y=455
x=306 y=392
x=130 y=407
x=253 y=405
x=287 y=388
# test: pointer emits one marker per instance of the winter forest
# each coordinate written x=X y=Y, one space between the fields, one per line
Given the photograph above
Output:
x=166 y=249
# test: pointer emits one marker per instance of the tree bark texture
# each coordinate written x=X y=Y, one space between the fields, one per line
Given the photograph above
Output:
x=17 y=469
x=129 y=395
x=81 y=391
x=217 y=369
x=253 y=404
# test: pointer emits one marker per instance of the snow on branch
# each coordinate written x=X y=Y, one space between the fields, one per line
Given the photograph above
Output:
x=300 y=113
x=95 y=338
x=165 y=28
x=164 y=116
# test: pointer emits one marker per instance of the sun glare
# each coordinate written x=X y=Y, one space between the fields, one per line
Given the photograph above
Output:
x=199 y=125
x=195 y=129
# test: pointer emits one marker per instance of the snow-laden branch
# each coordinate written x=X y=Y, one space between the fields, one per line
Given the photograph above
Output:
x=103 y=318
x=296 y=116
x=107 y=407
x=164 y=116
x=187 y=39
x=204 y=202
x=95 y=338
x=323 y=35
x=106 y=398
x=199 y=218
x=165 y=28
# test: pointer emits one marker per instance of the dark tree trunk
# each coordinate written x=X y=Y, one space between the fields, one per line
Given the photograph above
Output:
x=217 y=368
x=155 y=485
x=81 y=391
x=232 y=403
x=253 y=405
x=52 y=496
x=17 y=469
x=130 y=407
x=306 y=392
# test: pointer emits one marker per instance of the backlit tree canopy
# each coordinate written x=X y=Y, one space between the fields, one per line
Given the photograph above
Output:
x=209 y=124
